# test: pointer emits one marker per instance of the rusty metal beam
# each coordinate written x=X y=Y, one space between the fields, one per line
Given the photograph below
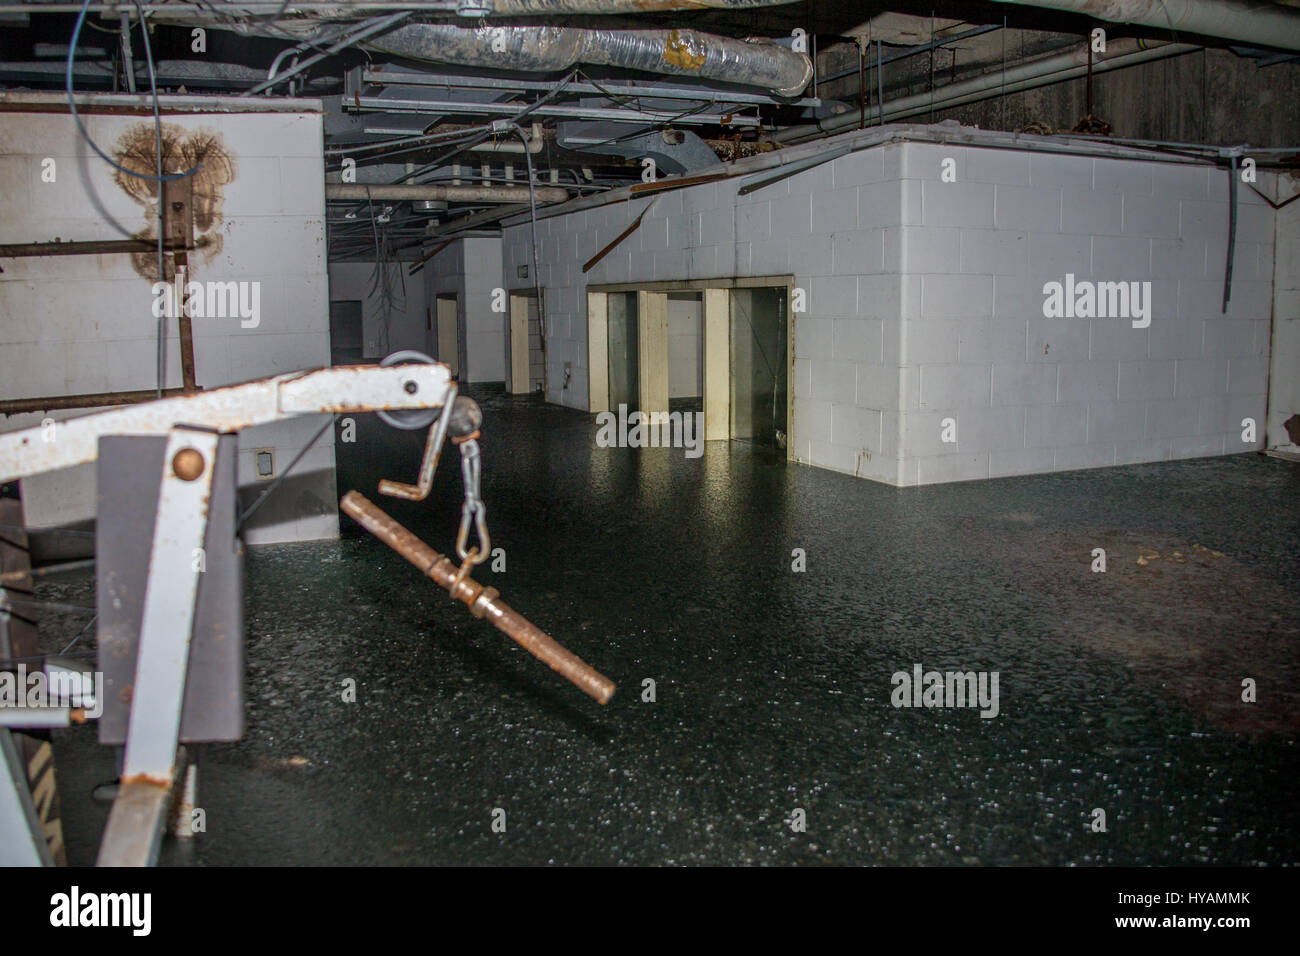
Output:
x=613 y=244
x=89 y=247
x=482 y=602
x=17 y=406
x=677 y=182
x=344 y=388
x=419 y=263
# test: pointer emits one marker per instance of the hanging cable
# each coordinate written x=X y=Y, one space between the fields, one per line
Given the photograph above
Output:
x=248 y=513
x=161 y=332
x=81 y=127
x=487 y=131
x=532 y=228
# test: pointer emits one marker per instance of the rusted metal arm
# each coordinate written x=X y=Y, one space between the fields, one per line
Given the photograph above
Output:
x=482 y=602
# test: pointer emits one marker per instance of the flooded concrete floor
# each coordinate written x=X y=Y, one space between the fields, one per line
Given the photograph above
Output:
x=1118 y=690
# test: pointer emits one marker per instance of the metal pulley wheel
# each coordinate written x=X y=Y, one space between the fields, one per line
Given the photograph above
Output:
x=409 y=419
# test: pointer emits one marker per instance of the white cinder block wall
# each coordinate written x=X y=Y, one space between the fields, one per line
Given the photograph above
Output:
x=1284 y=382
x=78 y=324
x=925 y=302
x=471 y=270
x=846 y=394
x=404 y=327
x=1033 y=394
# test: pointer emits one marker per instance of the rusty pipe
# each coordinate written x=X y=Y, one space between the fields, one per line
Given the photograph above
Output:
x=412 y=193
x=19 y=406
x=482 y=602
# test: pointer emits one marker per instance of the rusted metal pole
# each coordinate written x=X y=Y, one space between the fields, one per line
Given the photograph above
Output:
x=88 y=247
x=482 y=602
x=185 y=330
x=586 y=266
x=17 y=406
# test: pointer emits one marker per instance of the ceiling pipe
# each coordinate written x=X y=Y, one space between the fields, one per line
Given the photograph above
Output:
x=507 y=146
x=1024 y=76
x=533 y=8
x=360 y=192
x=550 y=49
x=1262 y=24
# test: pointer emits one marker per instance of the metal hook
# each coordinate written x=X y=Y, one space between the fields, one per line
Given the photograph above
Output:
x=429 y=464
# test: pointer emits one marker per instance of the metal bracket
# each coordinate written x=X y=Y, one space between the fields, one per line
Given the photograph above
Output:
x=135 y=824
x=429 y=464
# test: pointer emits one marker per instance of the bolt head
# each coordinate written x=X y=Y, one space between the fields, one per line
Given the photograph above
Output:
x=187 y=464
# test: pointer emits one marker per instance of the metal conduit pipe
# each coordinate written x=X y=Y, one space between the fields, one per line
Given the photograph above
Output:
x=533 y=8
x=549 y=49
x=1259 y=24
x=360 y=192
x=534 y=146
x=477 y=9
x=1025 y=76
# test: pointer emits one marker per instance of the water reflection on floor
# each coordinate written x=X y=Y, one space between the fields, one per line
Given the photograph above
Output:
x=1119 y=691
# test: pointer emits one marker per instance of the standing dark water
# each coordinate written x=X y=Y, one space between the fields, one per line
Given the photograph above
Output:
x=1119 y=691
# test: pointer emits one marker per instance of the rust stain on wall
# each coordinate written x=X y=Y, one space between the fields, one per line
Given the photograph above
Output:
x=182 y=149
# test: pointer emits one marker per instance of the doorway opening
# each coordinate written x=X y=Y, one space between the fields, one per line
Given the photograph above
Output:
x=716 y=346
x=759 y=365
x=347 y=345
x=447 y=332
x=686 y=351
x=624 y=362
x=525 y=358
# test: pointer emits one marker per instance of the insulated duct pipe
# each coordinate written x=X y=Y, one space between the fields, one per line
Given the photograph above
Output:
x=1258 y=24
x=475 y=9
x=551 y=49
x=1024 y=76
x=360 y=192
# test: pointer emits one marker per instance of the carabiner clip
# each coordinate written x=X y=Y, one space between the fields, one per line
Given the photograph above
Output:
x=484 y=547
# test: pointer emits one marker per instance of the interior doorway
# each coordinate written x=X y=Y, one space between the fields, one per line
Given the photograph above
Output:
x=716 y=346
x=525 y=358
x=347 y=345
x=759 y=365
x=447 y=332
x=624 y=362
x=686 y=351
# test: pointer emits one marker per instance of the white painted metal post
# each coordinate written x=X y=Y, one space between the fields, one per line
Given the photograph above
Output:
x=135 y=824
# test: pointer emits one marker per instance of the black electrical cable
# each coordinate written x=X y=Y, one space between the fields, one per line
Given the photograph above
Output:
x=161 y=332
x=283 y=475
x=80 y=635
x=532 y=227
x=81 y=127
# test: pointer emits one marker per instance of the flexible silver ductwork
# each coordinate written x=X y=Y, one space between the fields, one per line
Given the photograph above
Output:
x=551 y=49
x=1263 y=24
x=541 y=8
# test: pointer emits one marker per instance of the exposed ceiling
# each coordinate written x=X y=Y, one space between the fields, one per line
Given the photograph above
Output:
x=423 y=95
